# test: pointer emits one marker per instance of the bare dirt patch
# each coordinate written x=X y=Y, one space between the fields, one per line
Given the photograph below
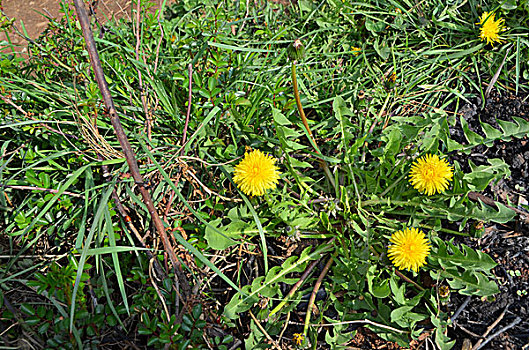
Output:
x=33 y=16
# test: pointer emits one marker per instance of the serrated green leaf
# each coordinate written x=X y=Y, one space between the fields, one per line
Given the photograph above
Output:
x=490 y=132
x=448 y=256
x=471 y=136
x=392 y=140
x=464 y=209
x=431 y=137
x=470 y=283
x=340 y=109
x=523 y=127
x=452 y=145
x=398 y=292
x=379 y=289
x=442 y=340
x=509 y=128
x=480 y=176
x=399 y=312
x=488 y=214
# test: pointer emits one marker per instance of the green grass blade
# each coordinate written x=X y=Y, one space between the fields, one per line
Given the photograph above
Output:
x=102 y=206
x=115 y=259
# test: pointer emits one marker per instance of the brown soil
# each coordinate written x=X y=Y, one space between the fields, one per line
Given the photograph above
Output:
x=32 y=14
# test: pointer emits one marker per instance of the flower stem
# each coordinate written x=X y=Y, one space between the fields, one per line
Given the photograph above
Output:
x=298 y=103
x=441 y=229
x=407 y=279
x=323 y=163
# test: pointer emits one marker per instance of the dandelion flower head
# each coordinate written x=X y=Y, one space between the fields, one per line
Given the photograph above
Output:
x=409 y=249
x=298 y=338
x=356 y=50
x=430 y=174
x=490 y=28
x=256 y=173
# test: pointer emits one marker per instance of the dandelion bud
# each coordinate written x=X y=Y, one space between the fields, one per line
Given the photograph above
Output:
x=296 y=50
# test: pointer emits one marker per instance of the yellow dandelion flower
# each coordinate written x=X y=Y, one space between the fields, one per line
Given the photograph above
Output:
x=256 y=173
x=298 y=338
x=409 y=249
x=430 y=174
x=356 y=50
x=490 y=29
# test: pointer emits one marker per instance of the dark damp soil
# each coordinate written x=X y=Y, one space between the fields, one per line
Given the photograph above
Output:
x=507 y=244
x=515 y=152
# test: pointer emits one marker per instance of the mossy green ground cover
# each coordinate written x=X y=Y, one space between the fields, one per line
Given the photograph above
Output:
x=380 y=83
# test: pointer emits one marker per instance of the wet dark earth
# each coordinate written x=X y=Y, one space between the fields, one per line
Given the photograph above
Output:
x=502 y=323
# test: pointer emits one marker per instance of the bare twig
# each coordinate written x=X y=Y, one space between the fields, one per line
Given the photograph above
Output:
x=245 y=16
x=153 y=282
x=120 y=133
x=490 y=328
x=143 y=96
x=160 y=17
x=50 y=190
x=323 y=163
x=258 y=324
x=284 y=328
x=123 y=212
x=209 y=191
x=295 y=287
x=210 y=164
x=492 y=336
x=461 y=308
x=372 y=323
x=314 y=292
x=469 y=333
x=398 y=273
x=495 y=77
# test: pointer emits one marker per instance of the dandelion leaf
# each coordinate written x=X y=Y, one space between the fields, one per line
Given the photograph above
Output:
x=470 y=283
x=472 y=137
x=222 y=237
x=464 y=209
x=465 y=269
x=449 y=255
x=480 y=176
x=491 y=133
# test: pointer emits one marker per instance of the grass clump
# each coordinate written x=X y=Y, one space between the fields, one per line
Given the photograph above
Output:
x=300 y=257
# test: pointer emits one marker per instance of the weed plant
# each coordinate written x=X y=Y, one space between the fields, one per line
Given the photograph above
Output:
x=380 y=82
